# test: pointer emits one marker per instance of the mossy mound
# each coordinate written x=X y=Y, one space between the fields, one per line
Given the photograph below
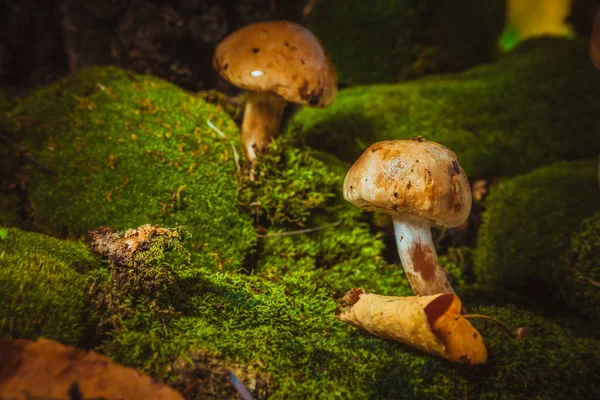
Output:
x=127 y=150
x=580 y=284
x=43 y=287
x=529 y=109
x=527 y=226
x=389 y=40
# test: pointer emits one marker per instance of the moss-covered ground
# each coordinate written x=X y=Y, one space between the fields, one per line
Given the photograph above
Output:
x=390 y=40
x=535 y=106
x=283 y=326
x=254 y=287
x=124 y=150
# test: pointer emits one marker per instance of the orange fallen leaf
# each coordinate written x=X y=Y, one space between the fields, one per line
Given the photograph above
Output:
x=429 y=323
x=47 y=369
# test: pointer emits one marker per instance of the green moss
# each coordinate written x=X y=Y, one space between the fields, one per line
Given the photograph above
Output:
x=129 y=150
x=527 y=223
x=284 y=325
x=579 y=283
x=290 y=183
x=43 y=287
x=529 y=109
x=388 y=40
x=296 y=187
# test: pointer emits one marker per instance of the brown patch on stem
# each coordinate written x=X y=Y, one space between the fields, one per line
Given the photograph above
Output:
x=423 y=261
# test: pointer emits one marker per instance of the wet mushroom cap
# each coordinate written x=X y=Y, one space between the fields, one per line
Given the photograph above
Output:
x=281 y=57
x=410 y=177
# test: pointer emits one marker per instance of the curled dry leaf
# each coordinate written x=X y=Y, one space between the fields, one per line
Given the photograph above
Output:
x=428 y=323
x=47 y=369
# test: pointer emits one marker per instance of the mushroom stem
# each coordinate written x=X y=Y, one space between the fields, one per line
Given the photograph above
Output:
x=419 y=258
x=262 y=118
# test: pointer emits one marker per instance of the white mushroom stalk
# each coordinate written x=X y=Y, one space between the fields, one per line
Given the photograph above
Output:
x=419 y=257
x=420 y=184
x=262 y=119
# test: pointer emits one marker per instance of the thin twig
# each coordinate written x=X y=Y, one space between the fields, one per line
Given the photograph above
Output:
x=590 y=281
x=300 y=231
x=164 y=327
x=236 y=157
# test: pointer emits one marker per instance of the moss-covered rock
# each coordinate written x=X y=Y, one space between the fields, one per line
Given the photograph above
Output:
x=580 y=283
x=127 y=150
x=389 y=40
x=44 y=287
x=526 y=110
x=527 y=225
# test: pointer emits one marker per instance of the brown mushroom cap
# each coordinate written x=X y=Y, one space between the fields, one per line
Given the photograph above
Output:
x=414 y=177
x=281 y=57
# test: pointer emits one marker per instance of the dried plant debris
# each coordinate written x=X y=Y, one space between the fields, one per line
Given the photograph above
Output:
x=210 y=376
x=46 y=369
x=129 y=247
x=138 y=276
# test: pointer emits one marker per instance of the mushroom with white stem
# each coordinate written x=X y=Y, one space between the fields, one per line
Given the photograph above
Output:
x=420 y=184
x=277 y=62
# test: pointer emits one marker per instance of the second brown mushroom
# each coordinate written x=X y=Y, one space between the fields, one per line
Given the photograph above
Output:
x=420 y=184
x=277 y=62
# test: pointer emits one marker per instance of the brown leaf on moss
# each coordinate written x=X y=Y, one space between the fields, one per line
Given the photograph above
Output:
x=46 y=369
x=429 y=323
x=124 y=248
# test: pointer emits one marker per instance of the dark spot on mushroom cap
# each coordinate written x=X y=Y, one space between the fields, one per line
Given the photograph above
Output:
x=457 y=207
x=225 y=67
x=475 y=335
x=396 y=194
x=394 y=207
x=286 y=44
x=311 y=97
x=302 y=61
x=409 y=185
x=255 y=50
x=456 y=167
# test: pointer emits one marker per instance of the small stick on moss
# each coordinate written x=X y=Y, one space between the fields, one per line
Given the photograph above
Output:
x=299 y=232
x=236 y=157
x=516 y=334
x=584 y=279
